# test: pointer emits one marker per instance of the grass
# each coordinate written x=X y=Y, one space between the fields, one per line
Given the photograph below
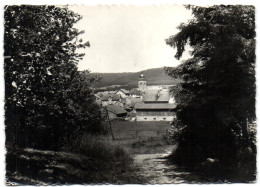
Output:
x=132 y=129
x=139 y=137
x=90 y=160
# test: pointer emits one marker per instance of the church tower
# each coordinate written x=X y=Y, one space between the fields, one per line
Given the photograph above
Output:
x=142 y=83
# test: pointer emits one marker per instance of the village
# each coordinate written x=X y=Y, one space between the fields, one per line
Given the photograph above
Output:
x=144 y=103
x=126 y=94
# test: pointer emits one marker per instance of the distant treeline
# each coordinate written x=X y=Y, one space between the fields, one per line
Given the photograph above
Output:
x=114 y=88
x=155 y=76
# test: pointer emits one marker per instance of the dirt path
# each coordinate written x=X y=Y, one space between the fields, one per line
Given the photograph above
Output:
x=158 y=170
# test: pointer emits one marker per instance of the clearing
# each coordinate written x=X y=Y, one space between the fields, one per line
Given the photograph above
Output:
x=144 y=141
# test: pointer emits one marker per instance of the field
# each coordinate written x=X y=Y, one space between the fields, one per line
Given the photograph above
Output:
x=139 y=137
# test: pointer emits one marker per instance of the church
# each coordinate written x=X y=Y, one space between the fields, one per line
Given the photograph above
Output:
x=157 y=103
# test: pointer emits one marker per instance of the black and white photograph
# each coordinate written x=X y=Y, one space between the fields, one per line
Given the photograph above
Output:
x=119 y=94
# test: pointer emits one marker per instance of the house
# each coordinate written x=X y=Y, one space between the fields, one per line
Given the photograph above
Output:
x=123 y=93
x=155 y=106
x=110 y=98
x=115 y=111
x=135 y=93
x=155 y=112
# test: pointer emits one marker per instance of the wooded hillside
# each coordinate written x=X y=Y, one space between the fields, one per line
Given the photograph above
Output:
x=154 y=76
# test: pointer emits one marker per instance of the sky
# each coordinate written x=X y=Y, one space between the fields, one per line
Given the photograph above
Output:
x=129 y=38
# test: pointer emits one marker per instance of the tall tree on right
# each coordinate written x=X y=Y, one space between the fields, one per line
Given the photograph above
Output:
x=216 y=100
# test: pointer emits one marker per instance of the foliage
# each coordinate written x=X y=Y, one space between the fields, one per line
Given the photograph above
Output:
x=47 y=99
x=216 y=100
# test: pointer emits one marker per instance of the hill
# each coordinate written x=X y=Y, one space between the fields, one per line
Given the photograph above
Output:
x=154 y=76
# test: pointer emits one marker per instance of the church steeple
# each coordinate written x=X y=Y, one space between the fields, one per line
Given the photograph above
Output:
x=142 y=83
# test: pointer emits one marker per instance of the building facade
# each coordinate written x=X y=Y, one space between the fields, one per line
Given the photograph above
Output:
x=155 y=112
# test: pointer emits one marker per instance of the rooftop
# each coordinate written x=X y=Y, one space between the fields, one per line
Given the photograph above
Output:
x=135 y=100
x=115 y=97
x=116 y=109
x=123 y=90
x=156 y=96
x=155 y=106
x=135 y=92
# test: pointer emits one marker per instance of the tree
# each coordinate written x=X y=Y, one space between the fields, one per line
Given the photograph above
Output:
x=216 y=100
x=46 y=97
